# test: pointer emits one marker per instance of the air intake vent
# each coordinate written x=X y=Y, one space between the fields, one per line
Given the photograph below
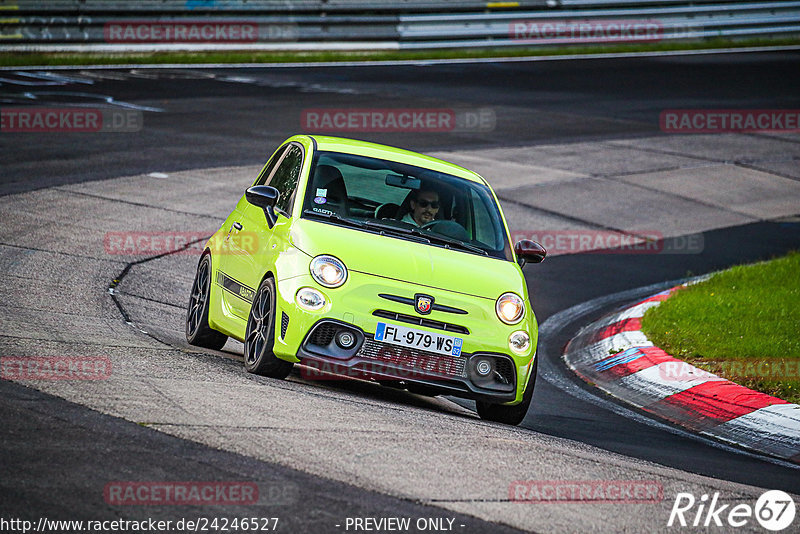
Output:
x=323 y=334
x=284 y=324
x=505 y=370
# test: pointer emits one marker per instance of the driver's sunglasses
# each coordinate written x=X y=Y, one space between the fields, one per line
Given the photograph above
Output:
x=425 y=203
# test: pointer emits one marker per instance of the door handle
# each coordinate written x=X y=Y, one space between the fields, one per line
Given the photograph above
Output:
x=235 y=226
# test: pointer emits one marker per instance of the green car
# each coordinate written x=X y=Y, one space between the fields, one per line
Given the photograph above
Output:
x=364 y=260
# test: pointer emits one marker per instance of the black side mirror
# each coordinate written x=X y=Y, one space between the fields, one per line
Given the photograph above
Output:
x=529 y=251
x=265 y=197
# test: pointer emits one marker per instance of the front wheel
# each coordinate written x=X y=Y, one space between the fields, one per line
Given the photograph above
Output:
x=260 y=336
x=510 y=415
x=198 y=332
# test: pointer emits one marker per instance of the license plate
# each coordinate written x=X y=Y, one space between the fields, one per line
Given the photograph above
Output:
x=418 y=339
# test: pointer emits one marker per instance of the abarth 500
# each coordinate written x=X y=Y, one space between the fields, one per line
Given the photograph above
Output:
x=371 y=261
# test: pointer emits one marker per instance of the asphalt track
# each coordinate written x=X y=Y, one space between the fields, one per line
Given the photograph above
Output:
x=229 y=120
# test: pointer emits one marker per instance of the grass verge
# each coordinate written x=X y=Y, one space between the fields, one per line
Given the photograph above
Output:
x=16 y=59
x=742 y=324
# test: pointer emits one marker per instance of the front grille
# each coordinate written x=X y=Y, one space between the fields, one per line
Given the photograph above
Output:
x=323 y=334
x=421 y=321
x=284 y=324
x=421 y=361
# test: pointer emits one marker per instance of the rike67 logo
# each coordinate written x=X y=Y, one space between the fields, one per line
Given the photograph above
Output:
x=774 y=510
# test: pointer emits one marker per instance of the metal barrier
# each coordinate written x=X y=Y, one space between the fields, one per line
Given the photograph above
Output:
x=600 y=26
x=114 y=25
x=186 y=7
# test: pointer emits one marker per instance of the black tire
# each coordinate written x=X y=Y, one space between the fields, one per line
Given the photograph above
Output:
x=198 y=332
x=510 y=415
x=260 y=336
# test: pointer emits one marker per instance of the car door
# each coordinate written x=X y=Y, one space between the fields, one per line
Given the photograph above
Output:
x=255 y=240
x=232 y=261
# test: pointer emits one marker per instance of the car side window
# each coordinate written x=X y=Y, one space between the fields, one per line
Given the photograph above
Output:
x=286 y=177
x=485 y=230
x=264 y=176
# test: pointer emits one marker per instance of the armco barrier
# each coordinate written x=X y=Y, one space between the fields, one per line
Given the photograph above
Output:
x=258 y=6
x=112 y=25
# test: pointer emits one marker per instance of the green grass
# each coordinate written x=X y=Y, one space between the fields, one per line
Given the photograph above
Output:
x=742 y=324
x=14 y=59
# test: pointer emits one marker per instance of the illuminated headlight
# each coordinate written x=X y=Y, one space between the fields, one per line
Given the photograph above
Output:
x=510 y=308
x=328 y=271
x=519 y=342
x=309 y=299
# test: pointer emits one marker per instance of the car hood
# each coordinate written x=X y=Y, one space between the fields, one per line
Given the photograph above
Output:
x=416 y=263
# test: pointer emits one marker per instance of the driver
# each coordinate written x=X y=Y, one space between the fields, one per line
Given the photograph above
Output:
x=424 y=207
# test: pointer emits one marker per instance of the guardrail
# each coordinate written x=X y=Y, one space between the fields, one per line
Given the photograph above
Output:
x=112 y=25
x=260 y=6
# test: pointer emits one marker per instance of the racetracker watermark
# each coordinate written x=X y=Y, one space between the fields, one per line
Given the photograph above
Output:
x=155 y=31
x=55 y=368
x=430 y=120
x=611 y=242
x=69 y=120
x=694 y=121
x=192 y=243
x=623 y=491
x=394 y=365
x=586 y=31
x=180 y=493
x=774 y=370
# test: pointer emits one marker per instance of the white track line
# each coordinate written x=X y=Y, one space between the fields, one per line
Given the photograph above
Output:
x=416 y=62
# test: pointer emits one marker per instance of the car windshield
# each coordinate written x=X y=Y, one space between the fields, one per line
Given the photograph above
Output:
x=405 y=202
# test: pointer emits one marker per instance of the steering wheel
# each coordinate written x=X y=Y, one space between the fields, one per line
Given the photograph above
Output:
x=447 y=228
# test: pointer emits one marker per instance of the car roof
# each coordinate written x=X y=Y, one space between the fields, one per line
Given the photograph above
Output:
x=365 y=148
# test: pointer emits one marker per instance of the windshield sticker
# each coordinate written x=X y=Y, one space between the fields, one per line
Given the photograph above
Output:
x=320 y=210
x=322 y=192
x=320 y=200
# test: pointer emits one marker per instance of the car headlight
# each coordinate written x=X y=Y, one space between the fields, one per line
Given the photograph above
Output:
x=510 y=308
x=309 y=299
x=328 y=271
x=519 y=342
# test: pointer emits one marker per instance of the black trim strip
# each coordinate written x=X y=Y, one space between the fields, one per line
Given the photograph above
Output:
x=236 y=288
x=421 y=321
x=410 y=302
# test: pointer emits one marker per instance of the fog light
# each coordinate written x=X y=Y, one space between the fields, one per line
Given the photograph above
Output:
x=519 y=342
x=345 y=339
x=309 y=299
x=483 y=367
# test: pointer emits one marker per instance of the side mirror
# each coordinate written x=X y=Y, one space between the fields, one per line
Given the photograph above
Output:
x=529 y=251
x=265 y=197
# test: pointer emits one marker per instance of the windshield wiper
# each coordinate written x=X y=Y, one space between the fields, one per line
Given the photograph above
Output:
x=456 y=242
x=413 y=234
x=408 y=232
x=390 y=227
x=334 y=217
x=420 y=235
x=428 y=236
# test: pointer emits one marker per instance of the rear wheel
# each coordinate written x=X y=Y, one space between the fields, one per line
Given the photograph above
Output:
x=198 y=332
x=510 y=415
x=260 y=336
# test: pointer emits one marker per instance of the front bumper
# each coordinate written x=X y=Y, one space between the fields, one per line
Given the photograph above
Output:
x=415 y=369
x=359 y=305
